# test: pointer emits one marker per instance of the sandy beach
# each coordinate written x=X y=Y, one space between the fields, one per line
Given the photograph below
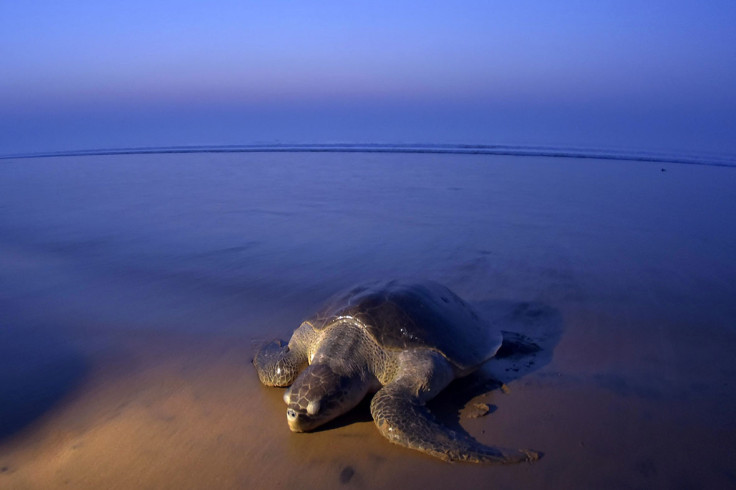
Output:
x=135 y=288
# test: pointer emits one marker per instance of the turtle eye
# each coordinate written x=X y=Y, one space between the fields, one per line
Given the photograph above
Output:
x=313 y=408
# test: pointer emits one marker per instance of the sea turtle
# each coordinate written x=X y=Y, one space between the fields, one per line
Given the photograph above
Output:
x=406 y=343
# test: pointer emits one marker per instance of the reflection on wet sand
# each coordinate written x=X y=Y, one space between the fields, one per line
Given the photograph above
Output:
x=38 y=370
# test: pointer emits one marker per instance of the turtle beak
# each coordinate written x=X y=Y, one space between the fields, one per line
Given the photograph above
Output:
x=292 y=417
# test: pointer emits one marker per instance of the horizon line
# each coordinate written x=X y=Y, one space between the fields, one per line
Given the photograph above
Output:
x=460 y=149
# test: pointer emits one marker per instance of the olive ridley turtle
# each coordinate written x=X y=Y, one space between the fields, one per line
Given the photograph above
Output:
x=406 y=343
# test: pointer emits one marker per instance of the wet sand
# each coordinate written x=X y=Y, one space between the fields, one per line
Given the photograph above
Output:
x=131 y=369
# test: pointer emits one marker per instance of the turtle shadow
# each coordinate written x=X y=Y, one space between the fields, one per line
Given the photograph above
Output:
x=359 y=414
x=531 y=331
x=38 y=369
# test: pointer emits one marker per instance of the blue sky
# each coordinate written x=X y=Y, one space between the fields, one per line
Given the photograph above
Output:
x=83 y=74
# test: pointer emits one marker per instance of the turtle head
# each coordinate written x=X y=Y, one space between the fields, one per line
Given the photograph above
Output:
x=277 y=365
x=319 y=395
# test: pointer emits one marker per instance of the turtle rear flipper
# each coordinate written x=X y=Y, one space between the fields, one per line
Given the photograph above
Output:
x=400 y=415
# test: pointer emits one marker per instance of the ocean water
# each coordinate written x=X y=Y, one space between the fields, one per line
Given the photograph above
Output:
x=106 y=258
x=295 y=222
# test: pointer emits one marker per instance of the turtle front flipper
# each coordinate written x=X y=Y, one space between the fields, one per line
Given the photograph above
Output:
x=279 y=364
x=400 y=415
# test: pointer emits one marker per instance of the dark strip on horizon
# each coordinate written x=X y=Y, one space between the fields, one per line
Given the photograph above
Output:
x=501 y=150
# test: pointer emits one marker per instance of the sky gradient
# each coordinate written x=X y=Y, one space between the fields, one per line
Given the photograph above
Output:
x=641 y=75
